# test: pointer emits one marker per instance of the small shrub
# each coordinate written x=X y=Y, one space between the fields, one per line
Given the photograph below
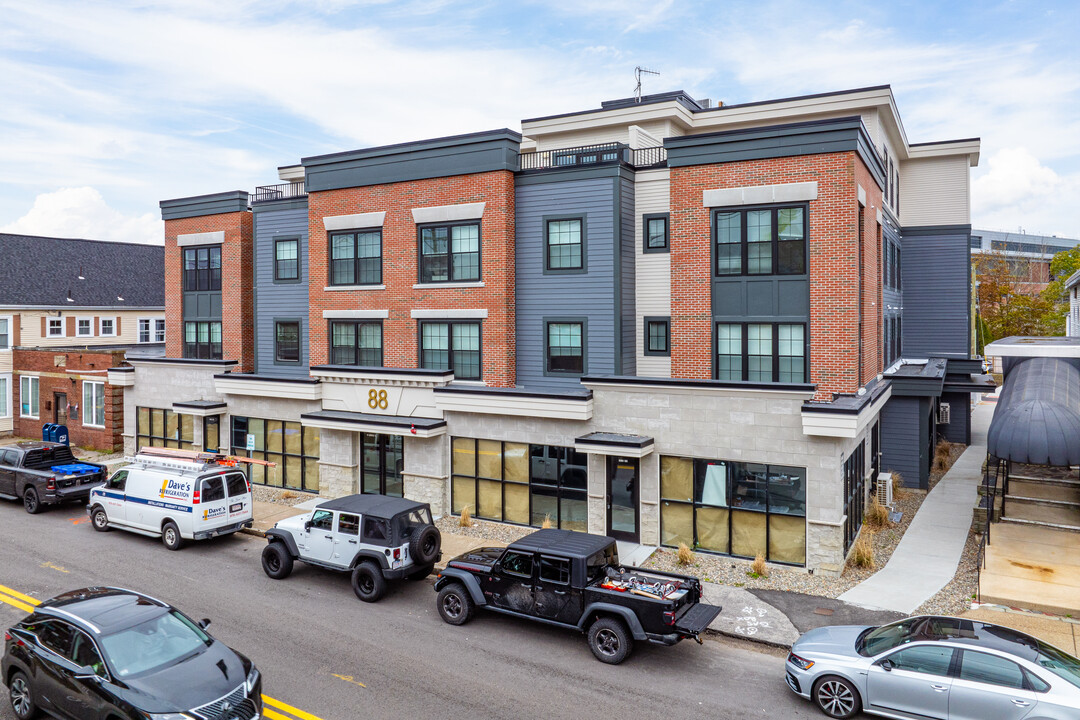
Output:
x=289 y=495
x=877 y=516
x=466 y=518
x=942 y=456
x=898 y=491
x=862 y=554
x=686 y=556
x=546 y=525
x=758 y=566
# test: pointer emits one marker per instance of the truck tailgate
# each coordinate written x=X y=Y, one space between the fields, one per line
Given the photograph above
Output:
x=697 y=618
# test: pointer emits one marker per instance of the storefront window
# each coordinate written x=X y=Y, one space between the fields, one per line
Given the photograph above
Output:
x=293 y=448
x=734 y=508
x=520 y=483
x=156 y=427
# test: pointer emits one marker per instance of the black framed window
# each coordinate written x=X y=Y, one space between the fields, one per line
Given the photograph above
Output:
x=356 y=257
x=766 y=241
x=734 y=508
x=292 y=447
x=202 y=340
x=450 y=253
x=287 y=341
x=451 y=346
x=202 y=268
x=159 y=427
x=356 y=343
x=564 y=244
x=565 y=347
x=655 y=233
x=519 y=483
x=761 y=352
x=287 y=259
x=657 y=336
x=854 y=493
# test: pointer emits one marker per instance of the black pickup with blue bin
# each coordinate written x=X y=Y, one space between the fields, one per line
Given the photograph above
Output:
x=46 y=473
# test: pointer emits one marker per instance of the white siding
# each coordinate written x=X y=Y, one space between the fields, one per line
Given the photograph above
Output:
x=935 y=191
x=588 y=136
x=652 y=195
x=31 y=335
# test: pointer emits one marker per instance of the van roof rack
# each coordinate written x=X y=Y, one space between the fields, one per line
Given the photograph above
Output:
x=196 y=458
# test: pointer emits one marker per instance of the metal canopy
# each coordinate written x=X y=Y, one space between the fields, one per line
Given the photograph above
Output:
x=1037 y=419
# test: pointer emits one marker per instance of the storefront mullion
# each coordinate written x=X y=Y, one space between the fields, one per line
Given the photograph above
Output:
x=158 y=427
x=292 y=447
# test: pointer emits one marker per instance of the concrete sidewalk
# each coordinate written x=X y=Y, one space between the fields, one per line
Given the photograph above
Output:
x=929 y=553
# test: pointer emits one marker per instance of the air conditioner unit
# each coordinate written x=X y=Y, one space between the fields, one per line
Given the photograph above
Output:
x=944 y=413
x=884 y=489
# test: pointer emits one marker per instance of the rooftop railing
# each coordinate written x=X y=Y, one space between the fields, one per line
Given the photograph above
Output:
x=265 y=193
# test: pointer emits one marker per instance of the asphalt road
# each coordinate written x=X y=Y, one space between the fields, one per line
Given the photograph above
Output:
x=331 y=657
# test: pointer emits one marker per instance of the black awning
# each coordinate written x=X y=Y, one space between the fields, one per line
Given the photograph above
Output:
x=1037 y=419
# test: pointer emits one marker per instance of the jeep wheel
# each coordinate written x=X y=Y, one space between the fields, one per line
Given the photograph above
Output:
x=424 y=545
x=30 y=501
x=368 y=582
x=99 y=519
x=276 y=561
x=610 y=641
x=455 y=605
x=170 y=535
x=22 y=698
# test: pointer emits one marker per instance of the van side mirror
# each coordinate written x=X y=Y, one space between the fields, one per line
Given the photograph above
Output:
x=204 y=623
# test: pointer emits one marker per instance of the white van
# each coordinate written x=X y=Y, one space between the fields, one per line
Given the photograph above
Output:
x=175 y=500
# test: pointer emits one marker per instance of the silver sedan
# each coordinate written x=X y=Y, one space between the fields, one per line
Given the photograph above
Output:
x=934 y=667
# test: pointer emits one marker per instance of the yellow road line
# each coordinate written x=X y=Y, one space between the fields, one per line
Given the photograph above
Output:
x=19 y=596
x=268 y=713
x=15 y=603
x=287 y=708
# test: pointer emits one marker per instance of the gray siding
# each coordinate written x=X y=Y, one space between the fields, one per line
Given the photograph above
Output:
x=901 y=445
x=936 y=284
x=284 y=300
x=627 y=277
x=959 y=428
x=590 y=295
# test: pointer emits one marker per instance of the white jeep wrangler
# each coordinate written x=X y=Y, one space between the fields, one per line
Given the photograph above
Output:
x=377 y=538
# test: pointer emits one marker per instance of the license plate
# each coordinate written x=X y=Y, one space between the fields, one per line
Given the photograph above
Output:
x=236 y=507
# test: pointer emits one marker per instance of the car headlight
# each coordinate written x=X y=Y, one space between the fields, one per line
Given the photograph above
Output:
x=799 y=662
x=252 y=678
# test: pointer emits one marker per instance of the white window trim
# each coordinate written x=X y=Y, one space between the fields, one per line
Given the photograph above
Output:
x=49 y=330
x=138 y=330
x=156 y=322
x=82 y=334
x=101 y=324
x=7 y=379
x=10 y=334
x=36 y=379
x=88 y=407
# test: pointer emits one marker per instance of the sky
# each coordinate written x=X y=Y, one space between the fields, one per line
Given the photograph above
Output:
x=108 y=107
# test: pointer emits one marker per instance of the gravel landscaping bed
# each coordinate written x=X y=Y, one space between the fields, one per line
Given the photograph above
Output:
x=958 y=594
x=483 y=530
x=278 y=496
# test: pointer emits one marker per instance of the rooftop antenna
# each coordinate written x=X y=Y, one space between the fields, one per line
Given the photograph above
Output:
x=638 y=72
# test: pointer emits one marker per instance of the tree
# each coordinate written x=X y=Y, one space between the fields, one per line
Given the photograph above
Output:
x=1003 y=308
x=1062 y=266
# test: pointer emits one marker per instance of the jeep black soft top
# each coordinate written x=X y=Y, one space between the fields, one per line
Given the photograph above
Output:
x=372 y=505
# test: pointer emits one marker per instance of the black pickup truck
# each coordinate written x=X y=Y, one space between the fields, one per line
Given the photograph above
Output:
x=574 y=580
x=45 y=473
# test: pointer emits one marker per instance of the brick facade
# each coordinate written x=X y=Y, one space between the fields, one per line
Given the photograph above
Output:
x=65 y=372
x=832 y=256
x=237 y=288
x=400 y=273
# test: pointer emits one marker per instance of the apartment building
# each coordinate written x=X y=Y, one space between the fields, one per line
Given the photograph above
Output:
x=1072 y=319
x=70 y=310
x=660 y=320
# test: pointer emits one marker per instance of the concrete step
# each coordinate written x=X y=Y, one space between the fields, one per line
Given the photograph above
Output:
x=1055 y=491
x=1057 y=514
x=1072 y=480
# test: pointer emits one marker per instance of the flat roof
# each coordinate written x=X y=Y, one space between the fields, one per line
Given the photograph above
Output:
x=1021 y=346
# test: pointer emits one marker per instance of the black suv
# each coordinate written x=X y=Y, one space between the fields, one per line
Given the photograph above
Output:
x=106 y=652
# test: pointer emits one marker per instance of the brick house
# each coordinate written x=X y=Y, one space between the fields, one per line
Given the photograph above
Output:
x=59 y=338
x=660 y=320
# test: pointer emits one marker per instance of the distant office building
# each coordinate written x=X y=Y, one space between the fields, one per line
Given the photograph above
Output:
x=1028 y=255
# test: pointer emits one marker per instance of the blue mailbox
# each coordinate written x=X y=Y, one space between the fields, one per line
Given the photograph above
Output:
x=60 y=434
x=47 y=431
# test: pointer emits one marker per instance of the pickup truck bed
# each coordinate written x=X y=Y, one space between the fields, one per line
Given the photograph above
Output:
x=45 y=473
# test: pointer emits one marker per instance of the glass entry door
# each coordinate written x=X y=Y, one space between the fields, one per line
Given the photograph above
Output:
x=381 y=462
x=622 y=502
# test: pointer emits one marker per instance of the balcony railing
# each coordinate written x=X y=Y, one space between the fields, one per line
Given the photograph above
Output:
x=265 y=193
x=586 y=155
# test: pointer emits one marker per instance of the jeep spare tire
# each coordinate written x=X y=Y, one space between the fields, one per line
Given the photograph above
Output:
x=425 y=544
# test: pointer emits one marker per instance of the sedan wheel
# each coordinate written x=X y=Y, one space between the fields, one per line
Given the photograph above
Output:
x=837 y=697
x=21 y=700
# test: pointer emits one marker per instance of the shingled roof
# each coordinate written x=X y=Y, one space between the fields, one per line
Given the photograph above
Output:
x=42 y=271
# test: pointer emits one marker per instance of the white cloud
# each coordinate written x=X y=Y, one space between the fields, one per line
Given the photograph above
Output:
x=83 y=213
x=1014 y=177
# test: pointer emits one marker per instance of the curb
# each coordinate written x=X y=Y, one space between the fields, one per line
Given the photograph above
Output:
x=253 y=532
x=747 y=638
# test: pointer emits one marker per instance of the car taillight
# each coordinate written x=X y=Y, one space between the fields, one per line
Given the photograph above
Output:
x=7 y=636
x=669 y=617
x=51 y=484
x=195 y=498
x=397 y=553
x=248 y=484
